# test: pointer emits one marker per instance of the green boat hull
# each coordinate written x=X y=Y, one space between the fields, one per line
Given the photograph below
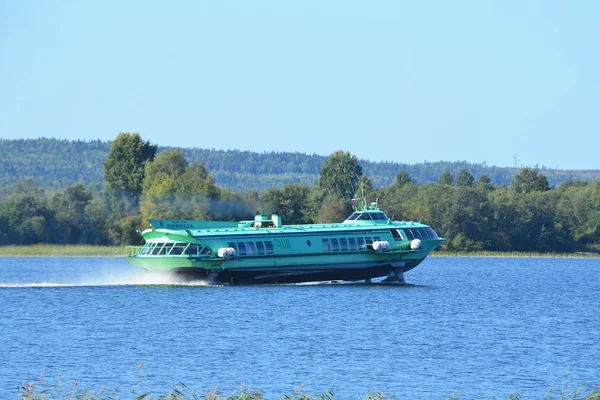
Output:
x=284 y=269
x=366 y=246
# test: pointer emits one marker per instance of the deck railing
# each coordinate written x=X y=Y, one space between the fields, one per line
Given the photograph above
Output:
x=133 y=251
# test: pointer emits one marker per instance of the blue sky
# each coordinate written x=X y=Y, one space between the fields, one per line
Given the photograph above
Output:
x=501 y=82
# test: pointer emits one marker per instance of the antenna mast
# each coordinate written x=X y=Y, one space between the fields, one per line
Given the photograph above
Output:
x=362 y=188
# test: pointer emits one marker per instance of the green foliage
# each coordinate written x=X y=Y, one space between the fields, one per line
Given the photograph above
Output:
x=498 y=218
x=232 y=206
x=175 y=190
x=403 y=201
x=161 y=174
x=530 y=180
x=291 y=202
x=580 y=203
x=446 y=178
x=483 y=180
x=49 y=250
x=464 y=178
x=52 y=163
x=73 y=216
x=339 y=176
x=464 y=218
x=125 y=164
x=25 y=214
x=56 y=164
x=527 y=217
x=181 y=391
x=484 y=183
x=125 y=231
x=403 y=178
x=332 y=211
x=197 y=179
x=365 y=187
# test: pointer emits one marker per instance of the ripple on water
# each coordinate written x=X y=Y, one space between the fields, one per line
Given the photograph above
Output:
x=483 y=327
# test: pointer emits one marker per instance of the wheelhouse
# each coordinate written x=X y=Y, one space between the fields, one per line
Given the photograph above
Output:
x=368 y=216
x=364 y=213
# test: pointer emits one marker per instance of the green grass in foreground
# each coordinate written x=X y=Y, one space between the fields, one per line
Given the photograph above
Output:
x=183 y=392
x=50 y=250
x=514 y=254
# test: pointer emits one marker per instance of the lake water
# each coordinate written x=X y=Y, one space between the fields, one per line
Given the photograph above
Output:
x=480 y=327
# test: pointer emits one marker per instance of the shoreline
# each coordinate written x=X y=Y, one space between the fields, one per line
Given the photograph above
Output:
x=516 y=254
x=83 y=251
x=51 y=250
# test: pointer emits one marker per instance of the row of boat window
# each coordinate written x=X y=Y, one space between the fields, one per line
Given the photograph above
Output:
x=173 y=249
x=345 y=244
x=359 y=243
x=420 y=233
x=252 y=248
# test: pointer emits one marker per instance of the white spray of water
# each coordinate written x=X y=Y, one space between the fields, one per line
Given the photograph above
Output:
x=40 y=284
x=136 y=278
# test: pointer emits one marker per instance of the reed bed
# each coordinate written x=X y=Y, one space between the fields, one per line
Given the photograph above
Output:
x=183 y=392
x=50 y=250
x=176 y=392
x=511 y=254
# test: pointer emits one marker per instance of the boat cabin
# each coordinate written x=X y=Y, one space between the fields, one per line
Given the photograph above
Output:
x=262 y=221
x=371 y=214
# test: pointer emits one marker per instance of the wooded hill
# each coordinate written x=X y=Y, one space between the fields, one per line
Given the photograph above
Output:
x=141 y=184
x=57 y=163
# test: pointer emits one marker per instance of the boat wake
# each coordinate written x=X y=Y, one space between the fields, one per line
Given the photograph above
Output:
x=113 y=280
x=378 y=282
x=40 y=284
x=164 y=280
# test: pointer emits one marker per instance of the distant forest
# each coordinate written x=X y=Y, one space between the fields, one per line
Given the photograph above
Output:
x=57 y=164
x=75 y=192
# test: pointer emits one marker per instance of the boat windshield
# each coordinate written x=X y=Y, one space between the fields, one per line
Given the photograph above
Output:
x=364 y=216
x=379 y=216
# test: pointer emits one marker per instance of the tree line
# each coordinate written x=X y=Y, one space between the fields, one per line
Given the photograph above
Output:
x=141 y=183
x=56 y=164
